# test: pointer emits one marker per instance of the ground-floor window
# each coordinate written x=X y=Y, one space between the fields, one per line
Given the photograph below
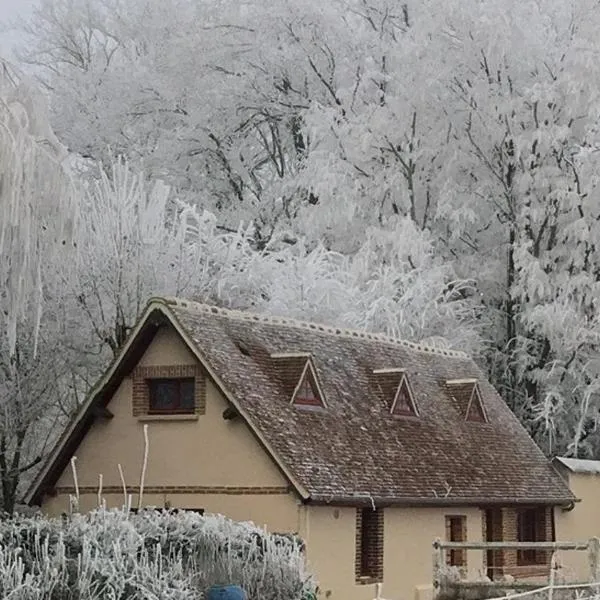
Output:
x=532 y=526
x=456 y=531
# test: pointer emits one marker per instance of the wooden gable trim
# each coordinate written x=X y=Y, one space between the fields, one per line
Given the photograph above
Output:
x=156 y=314
x=102 y=412
x=404 y=383
x=309 y=371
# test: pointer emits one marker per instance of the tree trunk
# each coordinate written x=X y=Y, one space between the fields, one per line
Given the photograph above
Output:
x=510 y=320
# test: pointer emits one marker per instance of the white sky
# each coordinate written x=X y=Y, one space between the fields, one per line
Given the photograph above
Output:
x=9 y=10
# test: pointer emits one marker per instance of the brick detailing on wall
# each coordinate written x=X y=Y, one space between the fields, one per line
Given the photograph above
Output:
x=510 y=534
x=141 y=395
x=184 y=489
x=456 y=531
x=493 y=531
x=368 y=563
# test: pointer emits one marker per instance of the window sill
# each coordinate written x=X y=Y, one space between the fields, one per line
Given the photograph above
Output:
x=183 y=417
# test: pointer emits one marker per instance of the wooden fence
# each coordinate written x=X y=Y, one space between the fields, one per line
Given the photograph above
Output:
x=445 y=587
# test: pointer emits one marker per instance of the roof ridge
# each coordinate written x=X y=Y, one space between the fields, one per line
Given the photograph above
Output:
x=289 y=322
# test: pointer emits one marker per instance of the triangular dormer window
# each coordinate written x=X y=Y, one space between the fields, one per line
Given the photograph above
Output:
x=404 y=403
x=467 y=398
x=393 y=387
x=475 y=410
x=308 y=391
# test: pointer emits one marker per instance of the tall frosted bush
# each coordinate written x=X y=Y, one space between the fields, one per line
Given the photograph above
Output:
x=112 y=555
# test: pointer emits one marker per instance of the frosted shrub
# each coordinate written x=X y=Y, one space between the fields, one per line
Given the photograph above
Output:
x=112 y=555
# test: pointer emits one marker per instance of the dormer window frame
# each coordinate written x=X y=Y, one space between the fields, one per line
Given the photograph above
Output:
x=474 y=397
x=389 y=370
x=276 y=355
x=404 y=382
x=310 y=372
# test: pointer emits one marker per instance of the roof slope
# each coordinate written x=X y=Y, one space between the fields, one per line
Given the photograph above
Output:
x=355 y=447
x=354 y=450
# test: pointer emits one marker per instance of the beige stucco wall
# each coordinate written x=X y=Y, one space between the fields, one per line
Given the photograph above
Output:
x=408 y=536
x=581 y=523
x=207 y=452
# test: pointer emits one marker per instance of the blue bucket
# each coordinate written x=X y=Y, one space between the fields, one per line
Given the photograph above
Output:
x=226 y=592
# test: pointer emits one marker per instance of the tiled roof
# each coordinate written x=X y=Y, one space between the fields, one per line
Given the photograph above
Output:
x=355 y=448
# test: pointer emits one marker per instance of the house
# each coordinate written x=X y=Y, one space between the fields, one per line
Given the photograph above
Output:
x=581 y=520
x=368 y=447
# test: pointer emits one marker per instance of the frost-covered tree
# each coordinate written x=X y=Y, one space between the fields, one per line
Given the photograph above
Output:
x=36 y=203
x=132 y=242
x=136 y=240
x=33 y=403
x=525 y=182
x=341 y=133
x=37 y=211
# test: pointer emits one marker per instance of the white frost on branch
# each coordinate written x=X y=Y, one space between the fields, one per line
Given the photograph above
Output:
x=37 y=209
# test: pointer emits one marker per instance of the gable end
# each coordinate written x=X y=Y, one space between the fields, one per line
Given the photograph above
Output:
x=157 y=314
x=96 y=403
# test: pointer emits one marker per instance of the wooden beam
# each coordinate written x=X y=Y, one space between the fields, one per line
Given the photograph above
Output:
x=512 y=545
x=102 y=412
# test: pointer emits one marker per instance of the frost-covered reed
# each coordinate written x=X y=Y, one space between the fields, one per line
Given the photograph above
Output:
x=113 y=555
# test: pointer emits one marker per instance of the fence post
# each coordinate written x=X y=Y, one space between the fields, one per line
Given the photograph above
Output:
x=594 y=557
x=553 y=568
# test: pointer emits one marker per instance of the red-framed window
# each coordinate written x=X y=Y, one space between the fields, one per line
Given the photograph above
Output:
x=404 y=404
x=307 y=393
x=475 y=410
